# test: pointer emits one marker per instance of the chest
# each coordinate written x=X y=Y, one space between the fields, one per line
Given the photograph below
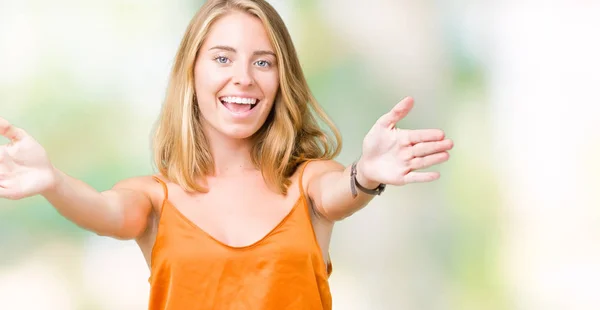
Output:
x=236 y=212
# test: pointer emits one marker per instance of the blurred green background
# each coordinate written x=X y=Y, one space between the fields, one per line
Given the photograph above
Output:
x=512 y=223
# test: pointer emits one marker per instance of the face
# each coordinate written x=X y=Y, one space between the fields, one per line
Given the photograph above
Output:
x=236 y=77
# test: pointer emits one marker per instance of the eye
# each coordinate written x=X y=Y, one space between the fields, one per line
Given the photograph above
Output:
x=221 y=59
x=263 y=63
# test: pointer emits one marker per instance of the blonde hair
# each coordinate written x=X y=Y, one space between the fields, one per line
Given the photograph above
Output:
x=290 y=135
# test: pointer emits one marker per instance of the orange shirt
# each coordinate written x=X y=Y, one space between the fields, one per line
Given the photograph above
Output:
x=284 y=270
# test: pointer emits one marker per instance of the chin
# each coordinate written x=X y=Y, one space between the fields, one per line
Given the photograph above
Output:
x=239 y=132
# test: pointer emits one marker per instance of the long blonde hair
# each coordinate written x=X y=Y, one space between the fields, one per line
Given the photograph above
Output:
x=290 y=135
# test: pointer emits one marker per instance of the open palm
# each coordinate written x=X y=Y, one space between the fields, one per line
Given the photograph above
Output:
x=393 y=156
x=25 y=169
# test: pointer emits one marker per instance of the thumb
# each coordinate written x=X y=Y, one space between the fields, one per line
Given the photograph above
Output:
x=10 y=132
x=398 y=112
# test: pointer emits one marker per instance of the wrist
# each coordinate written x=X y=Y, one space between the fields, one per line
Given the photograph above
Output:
x=54 y=183
x=364 y=180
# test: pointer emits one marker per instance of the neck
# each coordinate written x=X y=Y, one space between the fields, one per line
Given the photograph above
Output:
x=230 y=156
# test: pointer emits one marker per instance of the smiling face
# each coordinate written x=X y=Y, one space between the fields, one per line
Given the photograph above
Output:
x=236 y=77
x=228 y=54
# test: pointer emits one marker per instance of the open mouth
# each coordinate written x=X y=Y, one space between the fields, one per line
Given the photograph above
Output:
x=239 y=104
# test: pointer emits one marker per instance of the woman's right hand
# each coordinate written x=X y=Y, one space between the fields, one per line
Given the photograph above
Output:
x=25 y=169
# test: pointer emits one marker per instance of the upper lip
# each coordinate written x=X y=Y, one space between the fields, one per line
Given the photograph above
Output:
x=240 y=96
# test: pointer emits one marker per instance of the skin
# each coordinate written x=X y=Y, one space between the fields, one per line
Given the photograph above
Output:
x=237 y=59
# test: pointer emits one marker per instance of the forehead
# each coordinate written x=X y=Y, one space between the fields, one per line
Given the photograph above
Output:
x=239 y=30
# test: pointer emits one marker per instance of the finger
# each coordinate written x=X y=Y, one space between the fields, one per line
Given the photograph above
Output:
x=427 y=148
x=6 y=190
x=411 y=137
x=421 y=177
x=428 y=161
x=3 y=156
x=6 y=163
x=9 y=131
x=4 y=180
x=8 y=194
x=398 y=112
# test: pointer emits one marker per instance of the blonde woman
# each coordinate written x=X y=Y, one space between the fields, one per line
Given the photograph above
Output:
x=241 y=212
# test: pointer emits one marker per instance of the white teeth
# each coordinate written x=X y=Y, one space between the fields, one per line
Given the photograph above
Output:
x=239 y=100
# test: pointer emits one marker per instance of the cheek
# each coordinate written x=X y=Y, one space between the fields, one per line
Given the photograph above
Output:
x=272 y=86
x=208 y=81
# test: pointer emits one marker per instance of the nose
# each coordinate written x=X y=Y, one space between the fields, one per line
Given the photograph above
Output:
x=243 y=76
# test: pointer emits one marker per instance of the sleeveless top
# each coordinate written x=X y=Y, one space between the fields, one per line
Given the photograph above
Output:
x=190 y=270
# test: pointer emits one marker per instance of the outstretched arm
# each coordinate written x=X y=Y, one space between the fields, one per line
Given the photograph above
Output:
x=390 y=156
x=25 y=171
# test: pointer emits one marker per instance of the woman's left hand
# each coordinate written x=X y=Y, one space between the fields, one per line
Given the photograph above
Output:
x=393 y=156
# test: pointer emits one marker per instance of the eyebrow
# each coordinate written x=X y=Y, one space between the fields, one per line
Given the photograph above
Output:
x=231 y=49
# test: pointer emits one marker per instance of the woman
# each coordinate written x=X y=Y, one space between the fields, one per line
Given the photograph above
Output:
x=240 y=215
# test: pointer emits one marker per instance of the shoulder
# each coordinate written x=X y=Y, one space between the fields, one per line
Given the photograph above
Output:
x=138 y=183
x=310 y=173
x=147 y=185
x=317 y=167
